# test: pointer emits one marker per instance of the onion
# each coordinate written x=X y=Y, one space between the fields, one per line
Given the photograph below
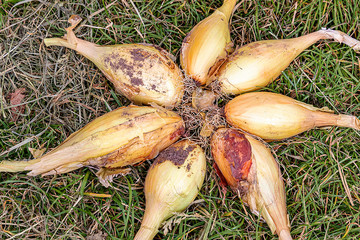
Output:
x=172 y=183
x=207 y=45
x=274 y=116
x=257 y=64
x=253 y=174
x=123 y=137
x=143 y=73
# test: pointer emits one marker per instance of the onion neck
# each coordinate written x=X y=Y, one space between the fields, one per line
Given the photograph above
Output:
x=16 y=166
x=276 y=217
x=329 y=119
x=340 y=37
x=153 y=217
x=309 y=39
x=285 y=235
x=227 y=7
x=348 y=121
x=89 y=50
x=145 y=233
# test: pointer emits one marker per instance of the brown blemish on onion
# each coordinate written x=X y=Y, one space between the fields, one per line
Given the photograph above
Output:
x=196 y=80
x=177 y=155
x=138 y=55
x=223 y=182
x=238 y=54
x=136 y=81
x=237 y=151
x=188 y=166
x=116 y=63
x=177 y=133
x=214 y=68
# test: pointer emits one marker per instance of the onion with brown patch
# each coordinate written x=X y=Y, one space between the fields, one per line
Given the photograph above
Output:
x=143 y=73
x=251 y=171
x=172 y=183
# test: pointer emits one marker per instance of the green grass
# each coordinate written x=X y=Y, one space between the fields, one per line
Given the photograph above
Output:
x=64 y=91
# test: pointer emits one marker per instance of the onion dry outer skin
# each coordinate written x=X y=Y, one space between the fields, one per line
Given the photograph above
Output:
x=172 y=183
x=267 y=196
x=125 y=136
x=144 y=73
x=274 y=116
x=207 y=45
x=261 y=188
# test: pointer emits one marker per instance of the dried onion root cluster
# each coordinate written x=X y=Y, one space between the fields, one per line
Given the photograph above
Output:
x=147 y=74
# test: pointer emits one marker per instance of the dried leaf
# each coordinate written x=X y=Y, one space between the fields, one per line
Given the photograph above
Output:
x=99 y=195
x=36 y=153
x=15 y=99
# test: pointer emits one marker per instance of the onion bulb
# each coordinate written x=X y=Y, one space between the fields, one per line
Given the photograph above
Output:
x=143 y=73
x=123 y=137
x=252 y=172
x=172 y=183
x=274 y=116
x=257 y=64
x=207 y=45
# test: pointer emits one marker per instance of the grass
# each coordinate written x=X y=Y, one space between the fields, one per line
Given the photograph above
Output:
x=64 y=91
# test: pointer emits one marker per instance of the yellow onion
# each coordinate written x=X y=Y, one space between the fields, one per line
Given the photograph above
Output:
x=257 y=64
x=123 y=137
x=144 y=73
x=208 y=44
x=274 y=116
x=172 y=183
x=252 y=172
